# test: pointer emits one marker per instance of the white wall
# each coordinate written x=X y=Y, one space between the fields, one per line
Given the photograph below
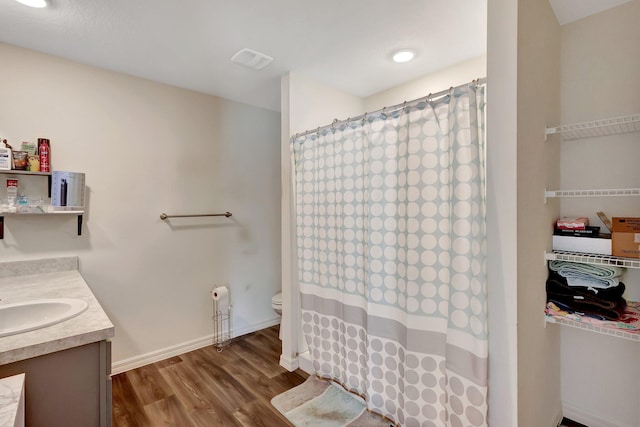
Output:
x=538 y=166
x=149 y=148
x=305 y=104
x=455 y=75
x=314 y=104
x=600 y=63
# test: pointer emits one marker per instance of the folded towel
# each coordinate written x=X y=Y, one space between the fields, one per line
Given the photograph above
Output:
x=585 y=281
x=584 y=302
x=595 y=276
x=608 y=294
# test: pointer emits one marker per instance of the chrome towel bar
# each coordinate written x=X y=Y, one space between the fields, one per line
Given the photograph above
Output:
x=164 y=216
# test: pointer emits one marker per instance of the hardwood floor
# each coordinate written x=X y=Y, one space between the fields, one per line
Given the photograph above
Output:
x=207 y=388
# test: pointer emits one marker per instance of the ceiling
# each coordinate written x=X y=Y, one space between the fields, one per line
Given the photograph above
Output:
x=568 y=11
x=189 y=43
x=346 y=44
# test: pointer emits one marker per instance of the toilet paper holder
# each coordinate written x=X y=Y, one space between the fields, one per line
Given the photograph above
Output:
x=222 y=331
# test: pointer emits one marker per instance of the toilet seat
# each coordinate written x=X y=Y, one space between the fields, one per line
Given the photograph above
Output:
x=277 y=300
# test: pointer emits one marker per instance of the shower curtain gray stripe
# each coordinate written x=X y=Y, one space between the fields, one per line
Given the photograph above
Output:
x=391 y=258
x=463 y=361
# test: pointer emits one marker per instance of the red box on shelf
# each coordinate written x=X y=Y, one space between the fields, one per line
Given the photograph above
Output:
x=572 y=223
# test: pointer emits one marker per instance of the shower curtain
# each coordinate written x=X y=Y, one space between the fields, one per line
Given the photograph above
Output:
x=391 y=258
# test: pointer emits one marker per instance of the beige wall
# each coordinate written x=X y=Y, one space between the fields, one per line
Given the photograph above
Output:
x=538 y=169
x=502 y=50
x=148 y=148
x=455 y=75
x=600 y=62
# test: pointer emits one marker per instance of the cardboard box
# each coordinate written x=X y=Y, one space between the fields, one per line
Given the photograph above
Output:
x=626 y=237
x=587 y=245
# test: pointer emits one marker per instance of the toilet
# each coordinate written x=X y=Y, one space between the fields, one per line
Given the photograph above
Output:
x=276 y=303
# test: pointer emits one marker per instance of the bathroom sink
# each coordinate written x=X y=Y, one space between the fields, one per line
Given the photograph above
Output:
x=35 y=314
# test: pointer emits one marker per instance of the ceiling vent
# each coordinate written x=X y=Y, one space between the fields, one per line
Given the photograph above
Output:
x=251 y=59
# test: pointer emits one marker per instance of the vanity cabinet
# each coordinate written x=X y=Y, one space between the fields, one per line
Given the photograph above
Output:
x=67 y=365
x=67 y=388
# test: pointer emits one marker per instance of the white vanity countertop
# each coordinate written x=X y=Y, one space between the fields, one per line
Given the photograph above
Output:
x=11 y=389
x=34 y=281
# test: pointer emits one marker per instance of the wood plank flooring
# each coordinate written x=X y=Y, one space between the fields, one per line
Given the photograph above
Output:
x=207 y=388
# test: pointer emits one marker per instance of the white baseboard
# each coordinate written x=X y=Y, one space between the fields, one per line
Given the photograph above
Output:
x=558 y=418
x=304 y=360
x=185 y=347
x=290 y=364
x=587 y=418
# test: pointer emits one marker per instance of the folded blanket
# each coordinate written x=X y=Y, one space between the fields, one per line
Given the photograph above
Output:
x=588 y=309
x=584 y=302
x=595 y=276
x=628 y=322
x=608 y=294
x=590 y=282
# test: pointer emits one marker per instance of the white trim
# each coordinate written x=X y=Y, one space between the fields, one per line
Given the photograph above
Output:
x=587 y=418
x=185 y=347
x=290 y=364
x=558 y=418
x=304 y=360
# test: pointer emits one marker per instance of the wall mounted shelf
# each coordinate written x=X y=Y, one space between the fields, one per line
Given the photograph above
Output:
x=29 y=173
x=594 y=128
x=593 y=328
x=79 y=213
x=592 y=259
x=21 y=172
x=592 y=193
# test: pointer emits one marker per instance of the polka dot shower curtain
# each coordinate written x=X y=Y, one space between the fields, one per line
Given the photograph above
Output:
x=391 y=257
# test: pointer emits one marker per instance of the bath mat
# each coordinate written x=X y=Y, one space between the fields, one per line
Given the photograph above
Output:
x=320 y=403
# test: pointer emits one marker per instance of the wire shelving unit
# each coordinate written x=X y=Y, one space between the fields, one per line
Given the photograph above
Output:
x=613 y=126
x=593 y=328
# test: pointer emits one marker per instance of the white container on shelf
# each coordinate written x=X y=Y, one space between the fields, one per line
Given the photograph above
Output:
x=5 y=159
x=67 y=189
x=588 y=245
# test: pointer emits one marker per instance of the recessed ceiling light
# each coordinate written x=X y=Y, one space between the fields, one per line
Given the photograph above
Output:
x=34 y=3
x=404 y=55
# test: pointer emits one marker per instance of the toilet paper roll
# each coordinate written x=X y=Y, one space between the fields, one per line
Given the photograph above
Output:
x=220 y=296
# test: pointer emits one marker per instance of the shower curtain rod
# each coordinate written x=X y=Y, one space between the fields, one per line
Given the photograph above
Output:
x=336 y=122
